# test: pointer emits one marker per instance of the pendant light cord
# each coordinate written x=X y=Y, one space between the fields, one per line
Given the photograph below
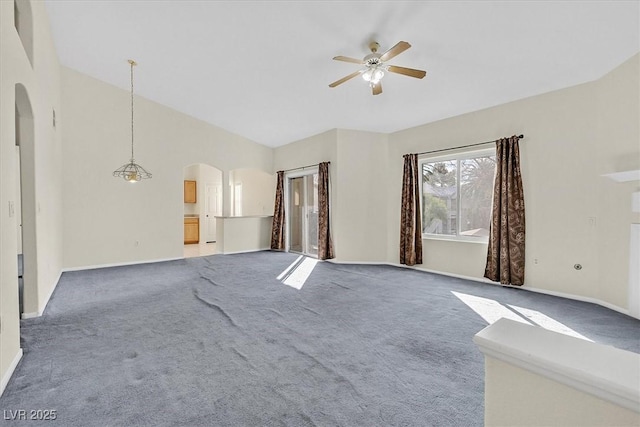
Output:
x=131 y=171
x=132 y=64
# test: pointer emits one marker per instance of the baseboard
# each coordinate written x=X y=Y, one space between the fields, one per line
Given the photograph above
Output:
x=334 y=261
x=489 y=282
x=53 y=288
x=581 y=298
x=242 y=252
x=7 y=376
x=41 y=310
x=30 y=315
x=118 y=264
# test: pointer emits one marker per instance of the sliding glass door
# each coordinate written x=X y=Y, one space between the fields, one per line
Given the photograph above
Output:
x=302 y=221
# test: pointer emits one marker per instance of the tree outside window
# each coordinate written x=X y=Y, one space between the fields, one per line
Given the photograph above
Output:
x=456 y=195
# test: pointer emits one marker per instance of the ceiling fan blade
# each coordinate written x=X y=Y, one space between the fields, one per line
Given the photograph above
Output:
x=418 y=74
x=394 y=51
x=347 y=59
x=344 y=79
x=377 y=88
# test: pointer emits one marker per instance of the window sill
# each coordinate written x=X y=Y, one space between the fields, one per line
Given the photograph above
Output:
x=455 y=239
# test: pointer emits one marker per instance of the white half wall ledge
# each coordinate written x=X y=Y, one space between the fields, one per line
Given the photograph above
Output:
x=626 y=176
x=603 y=371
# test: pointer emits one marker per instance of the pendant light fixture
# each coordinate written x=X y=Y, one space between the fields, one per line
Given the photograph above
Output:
x=131 y=172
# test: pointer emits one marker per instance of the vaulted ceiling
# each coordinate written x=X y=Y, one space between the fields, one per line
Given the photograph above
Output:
x=261 y=69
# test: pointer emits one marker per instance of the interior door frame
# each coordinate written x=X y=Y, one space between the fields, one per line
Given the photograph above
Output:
x=213 y=211
x=287 y=177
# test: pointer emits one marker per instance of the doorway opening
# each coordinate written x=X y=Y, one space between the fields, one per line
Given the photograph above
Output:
x=202 y=204
x=302 y=221
x=25 y=205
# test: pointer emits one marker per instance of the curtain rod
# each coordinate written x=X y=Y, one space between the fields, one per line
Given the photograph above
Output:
x=462 y=146
x=301 y=167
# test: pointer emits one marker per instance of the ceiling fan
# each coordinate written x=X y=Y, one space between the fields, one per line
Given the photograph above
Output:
x=375 y=66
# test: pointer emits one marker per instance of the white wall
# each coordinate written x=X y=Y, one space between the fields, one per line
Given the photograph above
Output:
x=358 y=187
x=574 y=215
x=540 y=401
x=555 y=167
x=44 y=210
x=258 y=190
x=105 y=216
x=243 y=234
x=571 y=137
x=311 y=151
x=617 y=149
x=360 y=225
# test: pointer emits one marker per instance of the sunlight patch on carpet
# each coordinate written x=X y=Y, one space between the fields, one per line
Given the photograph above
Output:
x=491 y=310
x=297 y=273
x=547 y=322
x=291 y=267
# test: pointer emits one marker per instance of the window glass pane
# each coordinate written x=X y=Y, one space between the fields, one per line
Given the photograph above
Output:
x=439 y=206
x=476 y=189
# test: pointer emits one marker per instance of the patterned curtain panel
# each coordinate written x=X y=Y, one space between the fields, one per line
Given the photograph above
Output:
x=325 y=245
x=410 y=220
x=505 y=257
x=277 y=229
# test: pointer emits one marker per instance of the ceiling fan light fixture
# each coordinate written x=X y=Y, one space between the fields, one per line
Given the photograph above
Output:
x=376 y=66
x=373 y=75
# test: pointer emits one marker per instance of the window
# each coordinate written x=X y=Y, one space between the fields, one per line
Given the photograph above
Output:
x=457 y=194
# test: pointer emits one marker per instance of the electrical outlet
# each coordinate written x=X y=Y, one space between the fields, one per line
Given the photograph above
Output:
x=11 y=209
x=136 y=243
x=535 y=260
x=593 y=221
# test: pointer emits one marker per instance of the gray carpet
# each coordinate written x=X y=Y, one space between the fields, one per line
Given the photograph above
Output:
x=219 y=341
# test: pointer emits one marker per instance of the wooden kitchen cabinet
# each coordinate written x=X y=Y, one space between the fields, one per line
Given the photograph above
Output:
x=191 y=230
x=189 y=191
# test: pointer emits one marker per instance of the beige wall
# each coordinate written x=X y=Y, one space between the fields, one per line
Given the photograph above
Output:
x=243 y=234
x=358 y=173
x=104 y=216
x=572 y=136
x=43 y=211
x=360 y=214
x=311 y=151
x=574 y=215
x=617 y=150
x=258 y=190
x=541 y=401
